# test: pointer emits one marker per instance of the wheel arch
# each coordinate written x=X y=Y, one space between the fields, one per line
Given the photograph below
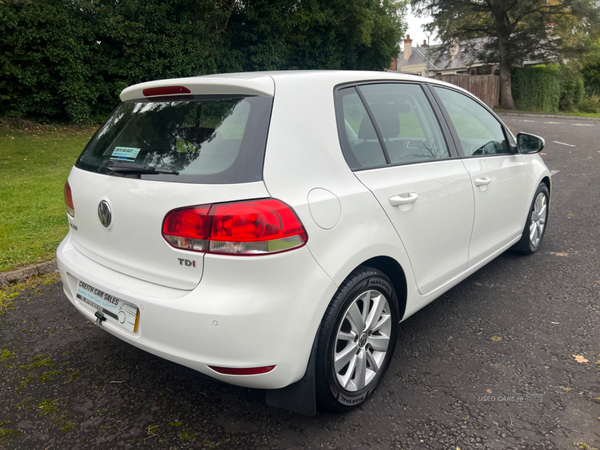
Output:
x=547 y=182
x=394 y=271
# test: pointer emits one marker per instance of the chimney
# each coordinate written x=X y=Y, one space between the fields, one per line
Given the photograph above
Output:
x=407 y=47
x=424 y=42
x=394 y=64
x=454 y=48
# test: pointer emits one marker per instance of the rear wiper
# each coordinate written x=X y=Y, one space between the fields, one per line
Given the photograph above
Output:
x=131 y=167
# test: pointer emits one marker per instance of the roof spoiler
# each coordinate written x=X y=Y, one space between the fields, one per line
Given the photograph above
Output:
x=262 y=85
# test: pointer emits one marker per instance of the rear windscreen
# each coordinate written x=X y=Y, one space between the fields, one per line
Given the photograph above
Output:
x=213 y=140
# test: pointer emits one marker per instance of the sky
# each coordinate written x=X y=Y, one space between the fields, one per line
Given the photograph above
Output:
x=416 y=32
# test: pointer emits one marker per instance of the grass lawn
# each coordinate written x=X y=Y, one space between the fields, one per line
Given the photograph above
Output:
x=34 y=164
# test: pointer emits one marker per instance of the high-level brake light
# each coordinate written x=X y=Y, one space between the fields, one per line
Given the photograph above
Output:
x=166 y=90
x=252 y=227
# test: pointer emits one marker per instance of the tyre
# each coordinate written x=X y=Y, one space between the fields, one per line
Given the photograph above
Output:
x=356 y=339
x=535 y=226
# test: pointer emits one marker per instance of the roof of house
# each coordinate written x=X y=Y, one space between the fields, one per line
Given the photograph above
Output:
x=461 y=60
x=445 y=61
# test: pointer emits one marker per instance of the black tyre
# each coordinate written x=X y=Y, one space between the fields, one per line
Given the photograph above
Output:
x=356 y=340
x=535 y=226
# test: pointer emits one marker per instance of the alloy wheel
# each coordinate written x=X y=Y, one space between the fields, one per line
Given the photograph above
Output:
x=538 y=220
x=362 y=340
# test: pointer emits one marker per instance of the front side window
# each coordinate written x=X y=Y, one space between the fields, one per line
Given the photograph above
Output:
x=479 y=132
x=204 y=139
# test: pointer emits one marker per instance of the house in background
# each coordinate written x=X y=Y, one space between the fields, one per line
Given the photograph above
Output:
x=414 y=60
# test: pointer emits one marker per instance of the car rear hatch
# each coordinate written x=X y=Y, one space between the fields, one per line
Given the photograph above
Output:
x=170 y=144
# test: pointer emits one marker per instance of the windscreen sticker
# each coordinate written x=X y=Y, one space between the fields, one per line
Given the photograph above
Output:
x=125 y=153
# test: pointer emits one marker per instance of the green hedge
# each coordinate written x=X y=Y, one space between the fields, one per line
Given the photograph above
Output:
x=547 y=88
x=536 y=88
x=591 y=76
x=68 y=60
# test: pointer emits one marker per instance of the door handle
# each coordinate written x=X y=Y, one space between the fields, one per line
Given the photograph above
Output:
x=482 y=181
x=403 y=199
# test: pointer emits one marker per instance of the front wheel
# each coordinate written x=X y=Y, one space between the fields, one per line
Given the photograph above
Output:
x=535 y=227
x=356 y=339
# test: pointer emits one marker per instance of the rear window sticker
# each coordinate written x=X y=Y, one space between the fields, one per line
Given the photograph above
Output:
x=125 y=153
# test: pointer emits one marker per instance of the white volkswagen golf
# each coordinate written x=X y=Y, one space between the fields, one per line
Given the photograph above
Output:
x=272 y=230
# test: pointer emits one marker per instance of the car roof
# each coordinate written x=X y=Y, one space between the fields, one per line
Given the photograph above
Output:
x=263 y=83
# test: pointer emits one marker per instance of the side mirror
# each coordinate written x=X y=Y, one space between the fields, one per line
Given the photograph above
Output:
x=530 y=143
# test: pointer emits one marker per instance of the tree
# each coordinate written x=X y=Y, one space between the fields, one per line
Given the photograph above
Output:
x=69 y=59
x=44 y=55
x=510 y=31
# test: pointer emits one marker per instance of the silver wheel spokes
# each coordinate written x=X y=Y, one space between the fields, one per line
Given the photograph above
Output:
x=538 y=220
x=362 y=340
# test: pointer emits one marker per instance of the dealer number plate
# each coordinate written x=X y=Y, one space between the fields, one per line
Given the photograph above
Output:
x=113 y=308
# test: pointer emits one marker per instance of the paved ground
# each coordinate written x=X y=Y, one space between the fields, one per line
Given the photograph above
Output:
x=509 y=332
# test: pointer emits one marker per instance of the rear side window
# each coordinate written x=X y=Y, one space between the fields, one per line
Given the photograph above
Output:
x=406 y=130
x=408 y=126
x=361 y=145
x=208 y=140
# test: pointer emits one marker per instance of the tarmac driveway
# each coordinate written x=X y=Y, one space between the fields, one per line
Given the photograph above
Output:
x=507 y=359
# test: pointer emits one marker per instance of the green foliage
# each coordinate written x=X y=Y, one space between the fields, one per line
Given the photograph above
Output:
x=511 y=33
x=45 y=59
x=571 y=92
x=591 y=76
x=549 y=89
x=571 y=87
x=536 y=88
x=326 y=34
x=69 y=59
x=578 y=91
x=589 y=104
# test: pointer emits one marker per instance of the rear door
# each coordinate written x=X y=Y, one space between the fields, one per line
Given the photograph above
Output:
x=204 y=149
x=393 y=141
x=498 y=175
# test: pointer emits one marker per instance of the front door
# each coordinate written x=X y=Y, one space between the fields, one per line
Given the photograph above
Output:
x=498 y=175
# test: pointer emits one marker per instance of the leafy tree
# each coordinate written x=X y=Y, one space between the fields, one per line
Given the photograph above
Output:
x=591 y=76
x=45 y=55
x=513 y=31
x=351 y=35
x=69 y=59
x=590 y=69
x=142 y=40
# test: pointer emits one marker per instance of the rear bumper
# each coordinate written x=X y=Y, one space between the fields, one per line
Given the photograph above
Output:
x=246 y=312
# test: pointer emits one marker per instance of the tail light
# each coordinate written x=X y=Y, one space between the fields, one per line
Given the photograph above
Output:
x=69 y=200
x=251 y=227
